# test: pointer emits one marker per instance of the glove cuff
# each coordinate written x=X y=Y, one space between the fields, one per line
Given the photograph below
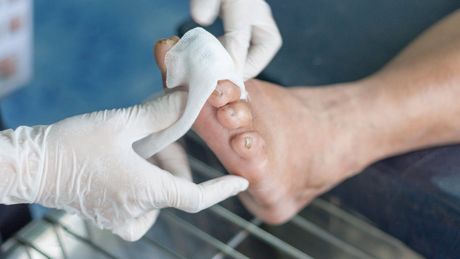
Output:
x=21 y=163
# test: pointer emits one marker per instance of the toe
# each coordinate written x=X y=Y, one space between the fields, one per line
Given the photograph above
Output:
x=226 y=92
x=235 y=115
x=160 y=50
x=249 y=145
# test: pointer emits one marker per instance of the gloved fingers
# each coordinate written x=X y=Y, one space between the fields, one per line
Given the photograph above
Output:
x=251 y=35
x=174 y=160
x=133 y=229
x=237 y=45
x=204 y=12
x=155 y=115
x=266 y=41
x=237 y=17
x=192 y=197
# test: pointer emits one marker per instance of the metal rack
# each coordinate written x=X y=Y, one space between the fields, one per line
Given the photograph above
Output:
x=227 y=230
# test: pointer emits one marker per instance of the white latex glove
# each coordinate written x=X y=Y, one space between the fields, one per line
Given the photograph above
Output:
x=86 y=165
x=251 y=35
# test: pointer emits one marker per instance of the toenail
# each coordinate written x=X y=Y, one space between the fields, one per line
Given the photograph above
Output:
x=174 y=38
x=168 y=41
x=248 y=142
x=218 y=92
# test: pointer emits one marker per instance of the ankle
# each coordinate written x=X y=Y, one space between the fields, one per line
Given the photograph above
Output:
x=340 y=111
x=369 y=123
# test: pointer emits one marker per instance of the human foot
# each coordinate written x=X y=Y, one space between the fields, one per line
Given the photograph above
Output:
x=289 y=151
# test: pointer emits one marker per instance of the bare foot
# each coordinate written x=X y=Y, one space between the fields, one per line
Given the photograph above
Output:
x=289 y=151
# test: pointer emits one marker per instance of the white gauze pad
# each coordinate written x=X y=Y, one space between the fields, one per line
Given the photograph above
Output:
x=197 y=61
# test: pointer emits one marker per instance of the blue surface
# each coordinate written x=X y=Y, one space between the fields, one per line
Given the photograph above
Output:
x=92 y=55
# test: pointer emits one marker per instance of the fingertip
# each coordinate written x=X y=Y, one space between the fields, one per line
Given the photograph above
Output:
x=232 y=185
x=202 y=19
x=216 y=190
x=204 y=12
x=243 y=184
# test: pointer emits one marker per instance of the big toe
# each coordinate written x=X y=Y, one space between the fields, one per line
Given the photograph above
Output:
x=160 y=50
x=225 y=92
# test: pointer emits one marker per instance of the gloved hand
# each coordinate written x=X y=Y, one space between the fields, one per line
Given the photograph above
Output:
x=85 y=164
x=251 y=35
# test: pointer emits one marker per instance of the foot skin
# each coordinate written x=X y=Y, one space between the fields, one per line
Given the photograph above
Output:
x=288 y=144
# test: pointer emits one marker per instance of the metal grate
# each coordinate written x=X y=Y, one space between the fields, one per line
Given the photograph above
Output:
x=227 y=230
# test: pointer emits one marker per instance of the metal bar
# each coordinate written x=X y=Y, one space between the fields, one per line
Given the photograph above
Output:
x=203 y=168
x=240 y=236
x=211 y=172
x=340 y=213
x=88 y=231
x=61 y=244
x=258 y=232
x=27 y=252
x=205 y=236
x=312 y=228
x=27 y=244
x=237 y=239
x=367 y=229
x=51 y=221
x=162 y=247
x=208 y=171
x=10 y=246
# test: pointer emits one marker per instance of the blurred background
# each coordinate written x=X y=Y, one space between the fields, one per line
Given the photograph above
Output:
x=91 y=55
